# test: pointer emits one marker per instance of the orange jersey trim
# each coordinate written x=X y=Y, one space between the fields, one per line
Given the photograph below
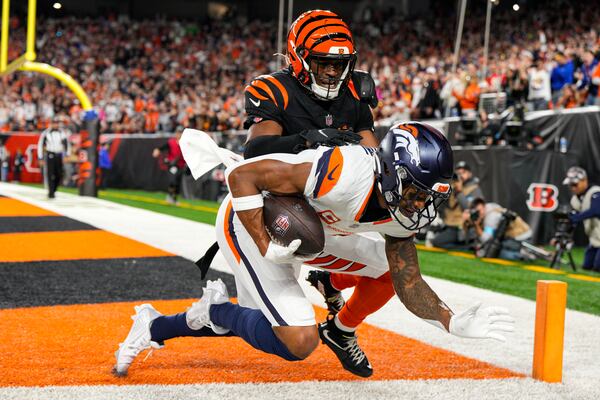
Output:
x=262 y=85
x=364 y=204
x=281 y=88
x=353 y=89
x=255 y=93
x=227 y=227
x=385 y=221
x=334 y=171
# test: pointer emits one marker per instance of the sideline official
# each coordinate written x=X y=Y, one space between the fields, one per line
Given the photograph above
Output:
x=53 y=144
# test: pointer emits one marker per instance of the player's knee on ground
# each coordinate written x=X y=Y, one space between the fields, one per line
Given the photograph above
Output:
x=301 y=341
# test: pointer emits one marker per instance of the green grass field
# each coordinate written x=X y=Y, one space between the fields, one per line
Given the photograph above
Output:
x=515 y=280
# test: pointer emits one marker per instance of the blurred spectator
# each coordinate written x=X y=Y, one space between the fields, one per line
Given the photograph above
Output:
x=468 y=98
x=104 y=163
x=18 y=164
x=175 y=163
x=4 y=162
x=569 y=97
x=593 y=98
x=562 y=74
x=152 y=75
x=540 y=92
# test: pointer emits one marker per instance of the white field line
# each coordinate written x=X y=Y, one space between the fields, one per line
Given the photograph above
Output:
x=455 y=389
x=189 y=239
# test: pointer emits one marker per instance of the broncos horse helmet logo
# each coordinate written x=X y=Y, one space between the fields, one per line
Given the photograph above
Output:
x=406 y=138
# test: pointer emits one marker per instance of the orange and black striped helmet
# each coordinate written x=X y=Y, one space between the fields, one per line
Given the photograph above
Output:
x=320 y=34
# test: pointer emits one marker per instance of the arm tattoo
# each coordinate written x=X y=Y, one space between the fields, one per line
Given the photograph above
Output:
x=412 y=290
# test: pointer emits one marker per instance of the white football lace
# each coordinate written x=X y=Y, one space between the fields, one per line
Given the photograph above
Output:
x=355 y=351
x=337 y=300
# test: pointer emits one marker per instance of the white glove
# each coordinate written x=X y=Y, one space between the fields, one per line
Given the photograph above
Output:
x=285 y=254
x=482 y=323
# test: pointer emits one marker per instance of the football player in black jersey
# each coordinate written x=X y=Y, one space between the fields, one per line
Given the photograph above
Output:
x=319 y=99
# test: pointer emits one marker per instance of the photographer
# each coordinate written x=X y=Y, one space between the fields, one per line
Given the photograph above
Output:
x=586 y=204
x=499 y=231
x=465 y=188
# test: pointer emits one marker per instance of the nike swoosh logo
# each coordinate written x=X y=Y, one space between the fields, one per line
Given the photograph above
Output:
x=329 y=176
x=256 y=103
x=326 y=334
x=324 y=134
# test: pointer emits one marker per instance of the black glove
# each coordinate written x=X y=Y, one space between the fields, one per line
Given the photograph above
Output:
x=329 y=137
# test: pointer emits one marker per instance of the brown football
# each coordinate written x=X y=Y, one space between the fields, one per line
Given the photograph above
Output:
x=291 y=217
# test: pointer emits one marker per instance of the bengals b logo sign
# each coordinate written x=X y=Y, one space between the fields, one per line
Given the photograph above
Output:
x=542 y=197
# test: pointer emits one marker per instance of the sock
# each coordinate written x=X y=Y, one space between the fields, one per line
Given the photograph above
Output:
x=342 y=327
x=369 y=296
x=252 y=326
x=343 y=281
x=172 y=326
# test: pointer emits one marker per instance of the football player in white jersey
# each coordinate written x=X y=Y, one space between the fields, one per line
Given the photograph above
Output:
x=394 y=191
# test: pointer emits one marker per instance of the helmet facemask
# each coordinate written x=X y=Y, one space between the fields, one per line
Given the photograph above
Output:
x=412 y=205
x=328 y=73
x=316 y=40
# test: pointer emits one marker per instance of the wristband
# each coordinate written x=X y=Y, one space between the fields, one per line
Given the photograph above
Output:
x=247 y=202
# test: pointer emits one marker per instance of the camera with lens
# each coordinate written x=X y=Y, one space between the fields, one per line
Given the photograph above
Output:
x=509 y=216
x=563 y=237
x=474 y=215
x=563 y=226
x=492 y=248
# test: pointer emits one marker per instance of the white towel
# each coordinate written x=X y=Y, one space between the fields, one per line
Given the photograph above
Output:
x=202 y=154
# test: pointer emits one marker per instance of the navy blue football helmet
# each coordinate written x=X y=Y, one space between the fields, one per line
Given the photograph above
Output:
x=416 y=167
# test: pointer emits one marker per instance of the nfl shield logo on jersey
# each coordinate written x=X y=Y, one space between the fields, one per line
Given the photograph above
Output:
x=329 y=120
x=281 y=224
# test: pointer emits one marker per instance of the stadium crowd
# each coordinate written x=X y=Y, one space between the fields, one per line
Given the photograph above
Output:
x=153 y=75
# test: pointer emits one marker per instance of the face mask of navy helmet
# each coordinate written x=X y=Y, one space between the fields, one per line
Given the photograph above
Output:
x=415 y=165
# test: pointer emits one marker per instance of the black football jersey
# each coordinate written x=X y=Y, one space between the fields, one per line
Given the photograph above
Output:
x=281 y=98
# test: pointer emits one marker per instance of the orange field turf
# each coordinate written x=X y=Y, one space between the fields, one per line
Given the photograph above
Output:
x=15 y=208
x=74 y=345
x=72 y=245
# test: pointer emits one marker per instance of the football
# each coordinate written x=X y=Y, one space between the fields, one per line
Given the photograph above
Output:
x=291 y=217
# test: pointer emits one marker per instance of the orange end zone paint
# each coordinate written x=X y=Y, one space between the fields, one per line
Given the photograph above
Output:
x=74 y=345
x=71 y=245
x=15 y=208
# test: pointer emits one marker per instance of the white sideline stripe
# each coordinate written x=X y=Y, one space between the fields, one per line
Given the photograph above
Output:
x=190 y=239
x=455 y=389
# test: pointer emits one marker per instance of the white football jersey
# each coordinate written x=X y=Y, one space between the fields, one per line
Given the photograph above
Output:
x=339 y=186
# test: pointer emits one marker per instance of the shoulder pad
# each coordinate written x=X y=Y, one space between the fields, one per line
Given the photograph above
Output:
x=365 y=86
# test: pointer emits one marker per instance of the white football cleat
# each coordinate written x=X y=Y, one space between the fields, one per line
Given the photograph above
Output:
x=137 y=340
x=198 y=315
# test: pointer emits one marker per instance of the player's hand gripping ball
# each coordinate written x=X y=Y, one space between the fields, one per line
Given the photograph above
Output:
x=291 y=217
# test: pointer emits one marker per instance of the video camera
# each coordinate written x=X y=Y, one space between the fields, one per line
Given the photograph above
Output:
x=492 y=248
x=563 y=237
x=564 y=228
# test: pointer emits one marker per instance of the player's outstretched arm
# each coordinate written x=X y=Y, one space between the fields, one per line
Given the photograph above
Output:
x=246 y=183
x=476 y=322
x=409 y=285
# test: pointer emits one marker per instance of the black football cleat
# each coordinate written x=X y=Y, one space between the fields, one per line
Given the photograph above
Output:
x=333 y=297
x=346 y=348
